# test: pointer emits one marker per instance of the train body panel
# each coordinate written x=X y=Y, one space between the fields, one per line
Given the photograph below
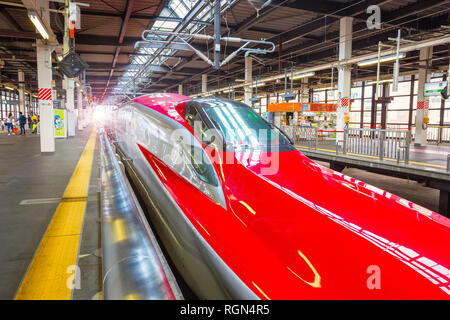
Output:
x=302 y=231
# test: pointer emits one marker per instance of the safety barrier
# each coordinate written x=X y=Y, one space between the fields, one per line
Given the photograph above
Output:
x=133 y=264
x=438 y=134
x=380 y=143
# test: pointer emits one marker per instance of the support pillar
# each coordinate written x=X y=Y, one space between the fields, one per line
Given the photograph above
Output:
x=344 y=75
x=44 y=65
x=69 y=85
x=85 y=110
x=180 y=89
x=21 y=77
x=80 y=108
x=420 y=137
x=70 y=106
x=304 y=96
x=248 y=80
x=204 y=83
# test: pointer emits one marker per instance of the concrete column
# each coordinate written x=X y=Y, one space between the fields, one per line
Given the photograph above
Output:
x=248 y=80
x=44 y=65
x=80 y=108
x=21 y=77
x=204 y=83
x=304 y=95
x=344 y=74
x=70 y=106
x=420 y=138
x=180 y=89
x=68 y=85
x=85 y=110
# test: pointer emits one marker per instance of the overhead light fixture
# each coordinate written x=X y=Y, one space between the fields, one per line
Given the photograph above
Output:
x=303 y=75
x=391 y=57
x=38 y=24
x=239 y=80
x=258 y=85
x=325 y=88
x=59 y=57
x=9 y=88
x=380 y=81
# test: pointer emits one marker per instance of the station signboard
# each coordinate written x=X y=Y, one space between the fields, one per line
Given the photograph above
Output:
x=434 y=88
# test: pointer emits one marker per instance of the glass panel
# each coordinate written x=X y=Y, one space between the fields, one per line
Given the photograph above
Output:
x=319 y=96
x=396 y=117
x=355 y=117
x=356 y=105
x=356 y=93
x=404 y=88
x=367 y=104
x=447 y=113
x=435 y=102
x=434 y=116
x=399 y=103
x=367 y=91
x=242 y=127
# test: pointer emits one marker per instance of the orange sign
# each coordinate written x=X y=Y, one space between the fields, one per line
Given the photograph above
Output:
x=297 y=106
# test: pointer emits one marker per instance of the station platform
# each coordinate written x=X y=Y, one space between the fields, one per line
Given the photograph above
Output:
x=49 y=218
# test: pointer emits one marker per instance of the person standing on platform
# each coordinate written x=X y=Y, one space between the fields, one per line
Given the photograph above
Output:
x=29 y=121
x=22 y=122
x=9 y=123
x=34 y=119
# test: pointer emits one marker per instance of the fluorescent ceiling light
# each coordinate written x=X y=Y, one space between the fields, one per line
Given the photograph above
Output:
x=9 y=88
x=258 y=85
x=303 y=75
x=239 y=80
x=391 y=57
x=380 y=81
x=326 y=88
x=38 y=24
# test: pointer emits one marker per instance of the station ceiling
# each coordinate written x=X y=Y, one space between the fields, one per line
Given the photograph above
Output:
x=306 y=33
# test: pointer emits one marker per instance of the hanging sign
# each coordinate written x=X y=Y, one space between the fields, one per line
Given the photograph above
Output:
x=434 y=88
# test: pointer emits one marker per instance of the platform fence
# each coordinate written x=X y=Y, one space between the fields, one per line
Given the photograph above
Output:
x=376 y=143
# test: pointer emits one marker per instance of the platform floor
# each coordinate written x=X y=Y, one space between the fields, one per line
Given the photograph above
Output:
x=31 y=187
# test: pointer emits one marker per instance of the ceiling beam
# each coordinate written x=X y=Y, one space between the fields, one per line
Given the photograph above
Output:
x=19 y=34
x=4 y=12
x=123 y=29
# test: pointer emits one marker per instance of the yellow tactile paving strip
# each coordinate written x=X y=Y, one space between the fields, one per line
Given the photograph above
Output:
x=49 y=274
x=373 y=157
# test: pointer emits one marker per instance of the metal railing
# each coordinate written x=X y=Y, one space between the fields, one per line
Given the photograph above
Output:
x=133 y=264
x=438 y=134
x=379 y=143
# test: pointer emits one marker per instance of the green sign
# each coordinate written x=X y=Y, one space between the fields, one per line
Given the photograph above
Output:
x=434 y=88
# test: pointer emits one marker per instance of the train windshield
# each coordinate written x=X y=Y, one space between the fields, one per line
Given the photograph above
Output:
x=242 y=127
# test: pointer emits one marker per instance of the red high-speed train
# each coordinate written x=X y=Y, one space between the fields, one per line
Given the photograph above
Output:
x=244 y=215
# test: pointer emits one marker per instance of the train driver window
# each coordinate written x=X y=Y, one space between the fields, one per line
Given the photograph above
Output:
x=194 y=119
